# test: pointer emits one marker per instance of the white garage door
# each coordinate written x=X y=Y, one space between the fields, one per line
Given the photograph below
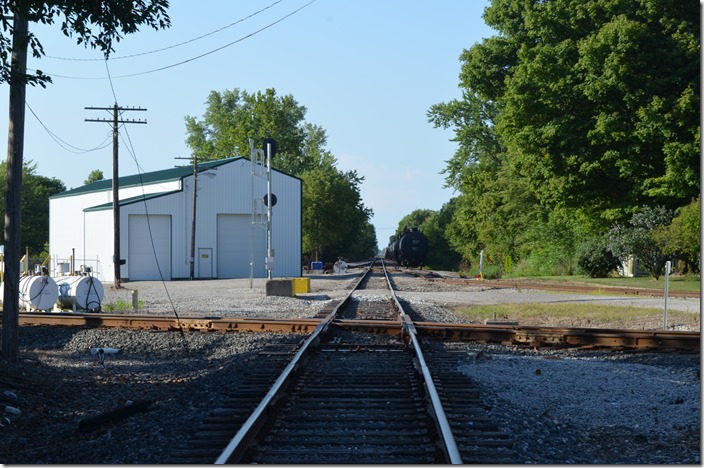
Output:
x=145 y=261
x=233 y=247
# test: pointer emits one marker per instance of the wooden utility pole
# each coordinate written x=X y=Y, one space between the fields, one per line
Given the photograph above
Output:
x=117 y=261
x=13 y=197
x=193 y=219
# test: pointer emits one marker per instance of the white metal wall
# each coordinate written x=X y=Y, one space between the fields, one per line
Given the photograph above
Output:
x=90 y=235
x=233 y=247
x=226 y=191
x=149 y=247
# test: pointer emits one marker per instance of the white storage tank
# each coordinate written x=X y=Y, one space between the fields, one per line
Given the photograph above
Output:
x=82 y=292
x=36 y=292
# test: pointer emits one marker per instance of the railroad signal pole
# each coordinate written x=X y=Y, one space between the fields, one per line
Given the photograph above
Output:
x=115 y=121
x=269 y=150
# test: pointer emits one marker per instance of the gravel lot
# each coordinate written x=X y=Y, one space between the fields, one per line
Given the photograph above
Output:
x=564 y=406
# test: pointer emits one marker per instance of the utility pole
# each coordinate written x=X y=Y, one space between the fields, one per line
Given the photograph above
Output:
x=13 y=196
x=193 y=221
x=117 y=262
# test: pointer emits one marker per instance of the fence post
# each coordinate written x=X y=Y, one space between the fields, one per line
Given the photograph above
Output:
x=667 y=280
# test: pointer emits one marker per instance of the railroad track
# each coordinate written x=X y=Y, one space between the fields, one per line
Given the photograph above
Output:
x=502 y=334
x=356 y=397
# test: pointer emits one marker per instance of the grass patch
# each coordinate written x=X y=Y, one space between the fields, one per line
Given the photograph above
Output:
x=675 y=284
x=121 y=304
x=580 y=315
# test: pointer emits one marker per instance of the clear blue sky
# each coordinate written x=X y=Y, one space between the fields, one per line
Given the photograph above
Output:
x=367 y=72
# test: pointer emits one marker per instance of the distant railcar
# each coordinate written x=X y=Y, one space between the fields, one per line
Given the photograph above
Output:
x=409 y=249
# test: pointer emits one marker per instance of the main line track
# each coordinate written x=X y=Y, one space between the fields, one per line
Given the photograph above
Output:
x=356 y=397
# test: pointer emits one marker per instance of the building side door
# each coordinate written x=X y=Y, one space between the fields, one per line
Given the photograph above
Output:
x=205 y=263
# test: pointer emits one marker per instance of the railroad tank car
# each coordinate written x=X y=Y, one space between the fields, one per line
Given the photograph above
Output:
x=82 y=292
x=410 y=249
x=36 y=292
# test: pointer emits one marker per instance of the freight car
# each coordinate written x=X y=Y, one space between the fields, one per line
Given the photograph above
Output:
x=409 y=249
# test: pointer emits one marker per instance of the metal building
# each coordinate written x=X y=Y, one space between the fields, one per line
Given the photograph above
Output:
x=156 y=224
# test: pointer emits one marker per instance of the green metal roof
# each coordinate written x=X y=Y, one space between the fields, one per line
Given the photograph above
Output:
x=147 y=178
x=129 y=201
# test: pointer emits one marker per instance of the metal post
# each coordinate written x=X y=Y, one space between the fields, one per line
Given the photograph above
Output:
x=667 y=280
x=269 y=249
x=481 y=264
x=193 y=221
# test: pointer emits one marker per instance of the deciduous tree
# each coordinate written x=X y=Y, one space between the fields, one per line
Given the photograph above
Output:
x=232 y=117
x=94 y=176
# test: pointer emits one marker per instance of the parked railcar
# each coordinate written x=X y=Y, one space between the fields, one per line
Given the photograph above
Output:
x=409 y=249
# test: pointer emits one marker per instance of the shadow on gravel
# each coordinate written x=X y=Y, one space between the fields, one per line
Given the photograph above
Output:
x=333 y=277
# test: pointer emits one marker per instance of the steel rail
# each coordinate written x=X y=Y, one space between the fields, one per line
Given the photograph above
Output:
x=245 y=434
x=538 y=336
x=166 y=323
x=493 y=333
x=448 y=437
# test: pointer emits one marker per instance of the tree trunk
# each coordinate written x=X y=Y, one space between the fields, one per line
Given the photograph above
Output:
x=13 y=200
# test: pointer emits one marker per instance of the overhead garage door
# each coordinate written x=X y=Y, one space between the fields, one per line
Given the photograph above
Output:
x=233 y=247
x=145 y=257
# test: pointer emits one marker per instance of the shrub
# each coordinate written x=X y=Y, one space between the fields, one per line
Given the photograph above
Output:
x=595 y=259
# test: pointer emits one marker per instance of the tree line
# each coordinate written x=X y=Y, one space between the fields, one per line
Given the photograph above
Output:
x=578 y=138
x=578 y=145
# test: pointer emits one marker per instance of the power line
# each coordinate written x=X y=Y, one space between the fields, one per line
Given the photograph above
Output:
x=64 y=144
x=187 y=60
x=171 y=46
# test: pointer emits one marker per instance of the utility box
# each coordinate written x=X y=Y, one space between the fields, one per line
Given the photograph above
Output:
x=300 y=285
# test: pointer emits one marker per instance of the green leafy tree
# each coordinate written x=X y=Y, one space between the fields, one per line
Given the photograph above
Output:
x=360 y=242
x=581 y=107
x=233 y=117
x=682 y=238
x=94 y=176
x=333 y=213
x=440 y=254
x=36 y=191
x=416 y=218
x=95 y=24
x=596 y=110
x=642 y=238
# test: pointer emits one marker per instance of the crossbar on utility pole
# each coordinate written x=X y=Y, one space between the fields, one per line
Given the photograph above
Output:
x=117 y=262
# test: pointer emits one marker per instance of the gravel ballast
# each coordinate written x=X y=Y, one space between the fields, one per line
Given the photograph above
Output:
x=565 y=406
